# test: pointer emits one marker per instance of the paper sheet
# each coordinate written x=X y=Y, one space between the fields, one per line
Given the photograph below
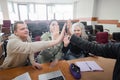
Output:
x=83 y=66
x=24 y=76
x=88 y=66
x=94 y=66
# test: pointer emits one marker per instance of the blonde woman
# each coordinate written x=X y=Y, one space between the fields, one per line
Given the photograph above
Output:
x=70 y=50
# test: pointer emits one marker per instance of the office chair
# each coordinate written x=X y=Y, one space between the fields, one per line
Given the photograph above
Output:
x=37 y=38
x=85 y=24
x=89 y=29
x=116 y=36
x=90 y=33
x=102 y=37
x=3 y=49
x=37 y=27
x=6 y=26
x=98 y=28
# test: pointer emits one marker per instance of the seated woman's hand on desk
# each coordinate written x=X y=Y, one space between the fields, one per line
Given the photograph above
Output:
x=53 y=63
x=37 y=66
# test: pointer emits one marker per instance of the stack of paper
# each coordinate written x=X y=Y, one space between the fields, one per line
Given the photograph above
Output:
x=88 y=66
x=24 y=76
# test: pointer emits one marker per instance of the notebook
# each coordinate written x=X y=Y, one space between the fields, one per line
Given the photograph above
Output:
x=88 y=66
x=55 y=75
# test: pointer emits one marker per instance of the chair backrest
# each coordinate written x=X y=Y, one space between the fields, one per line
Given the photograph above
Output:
x=89 y=28
x=37 y=38
x=3 y=49
x=6 y=23
x=84 y=23
x=102 y=37
x=6 y=26
x=116 y=36
x=37 y=28
x=98 y=28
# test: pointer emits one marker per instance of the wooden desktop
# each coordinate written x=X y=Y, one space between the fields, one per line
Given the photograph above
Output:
x=106 y=64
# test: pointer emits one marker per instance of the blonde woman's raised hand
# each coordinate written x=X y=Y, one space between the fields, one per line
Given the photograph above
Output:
x=66 y=40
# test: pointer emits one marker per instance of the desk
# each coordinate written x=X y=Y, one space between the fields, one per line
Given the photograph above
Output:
x=106 y=64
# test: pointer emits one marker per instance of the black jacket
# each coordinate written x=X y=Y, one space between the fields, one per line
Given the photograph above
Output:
x=110 y=50
x=74 y=49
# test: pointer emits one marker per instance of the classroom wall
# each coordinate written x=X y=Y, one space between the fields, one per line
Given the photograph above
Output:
x=108 y=9
x=103 y=9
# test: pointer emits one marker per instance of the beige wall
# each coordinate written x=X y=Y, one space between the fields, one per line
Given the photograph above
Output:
x=108 y=9
x=85 y=9
x=101 y=9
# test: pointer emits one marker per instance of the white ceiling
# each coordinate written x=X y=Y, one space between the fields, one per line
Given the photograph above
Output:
x=45 y=1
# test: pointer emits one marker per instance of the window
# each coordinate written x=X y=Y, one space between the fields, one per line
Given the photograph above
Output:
x=32 y=15
x=40 y=12
x=33 y=11
x=37 y=12
x=60 y=12
x=13 y=11
x=63 y=12
x=1 y=16
x=23 y=12
x=51 y=12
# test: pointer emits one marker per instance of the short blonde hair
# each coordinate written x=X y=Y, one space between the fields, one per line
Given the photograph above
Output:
x=83 y=35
